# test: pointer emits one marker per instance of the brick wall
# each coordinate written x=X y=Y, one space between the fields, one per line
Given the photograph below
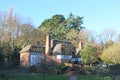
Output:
x=24 y=59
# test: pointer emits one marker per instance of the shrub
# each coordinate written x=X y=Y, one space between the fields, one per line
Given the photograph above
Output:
x=100 y=71
x=60 y=68
x=114 y=69
x=93 y=70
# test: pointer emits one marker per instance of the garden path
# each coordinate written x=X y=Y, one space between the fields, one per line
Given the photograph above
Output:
x=73 y=78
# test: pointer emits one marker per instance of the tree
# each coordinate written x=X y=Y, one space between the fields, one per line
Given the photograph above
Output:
x=118 y=38
x=89 y=54
x=14 y=32
x=25 y=38
x=1 y=57
x=74 y=22
x=111 y=54
x=16 y=57
x=52 y=25
x=53 y=22
x=106 y=37
x=73 y=36
x=61 y=31
x=58 y=26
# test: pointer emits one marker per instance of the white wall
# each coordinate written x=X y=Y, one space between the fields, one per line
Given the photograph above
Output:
x=36 y=58
x=76 y=59
x=62 y=57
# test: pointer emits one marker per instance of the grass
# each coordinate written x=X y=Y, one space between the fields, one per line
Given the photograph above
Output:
x=55 y=77
x=23 y=75
x=36 y=77
x=92 y=77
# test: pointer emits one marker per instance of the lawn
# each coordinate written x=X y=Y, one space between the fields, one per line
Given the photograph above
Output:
x=55 y=77
x=92 y=77
x=36 y=77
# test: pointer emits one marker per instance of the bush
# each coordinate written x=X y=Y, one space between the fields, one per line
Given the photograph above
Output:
x=100 y=71
x=4 y=74
x=61 y=69
x=103 y=71
x=93 y=70
x=114 y=69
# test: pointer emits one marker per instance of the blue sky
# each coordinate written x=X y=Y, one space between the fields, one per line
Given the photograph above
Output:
x=98 y=14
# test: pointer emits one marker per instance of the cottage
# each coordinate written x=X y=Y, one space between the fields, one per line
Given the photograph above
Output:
x=56 y=50
x=31 y=55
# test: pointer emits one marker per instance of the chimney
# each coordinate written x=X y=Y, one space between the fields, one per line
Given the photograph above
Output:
x=80 y=46
x=47 y=45
x=38 y=43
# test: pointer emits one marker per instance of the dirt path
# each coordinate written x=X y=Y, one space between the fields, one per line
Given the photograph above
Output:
x=72 y=74
x=73 y=78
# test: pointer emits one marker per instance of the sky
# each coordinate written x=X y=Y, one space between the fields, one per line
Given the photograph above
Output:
x=98 y=15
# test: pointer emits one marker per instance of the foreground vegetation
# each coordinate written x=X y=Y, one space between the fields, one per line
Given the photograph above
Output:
x=87 y=73
x=56 y=77
x=37 y=77
x=27 y=74
x=93 y=77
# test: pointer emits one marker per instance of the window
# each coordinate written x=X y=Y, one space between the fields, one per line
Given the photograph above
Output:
x=33 y=58
x=55 y=57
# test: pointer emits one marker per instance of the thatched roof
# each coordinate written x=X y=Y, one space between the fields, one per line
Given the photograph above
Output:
x=30 y=48
x=26 y=49
x=63 y=48
x=57 y=49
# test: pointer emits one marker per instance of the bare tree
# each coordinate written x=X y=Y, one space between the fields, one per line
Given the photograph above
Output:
x=107 y=37
x=14 y=32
